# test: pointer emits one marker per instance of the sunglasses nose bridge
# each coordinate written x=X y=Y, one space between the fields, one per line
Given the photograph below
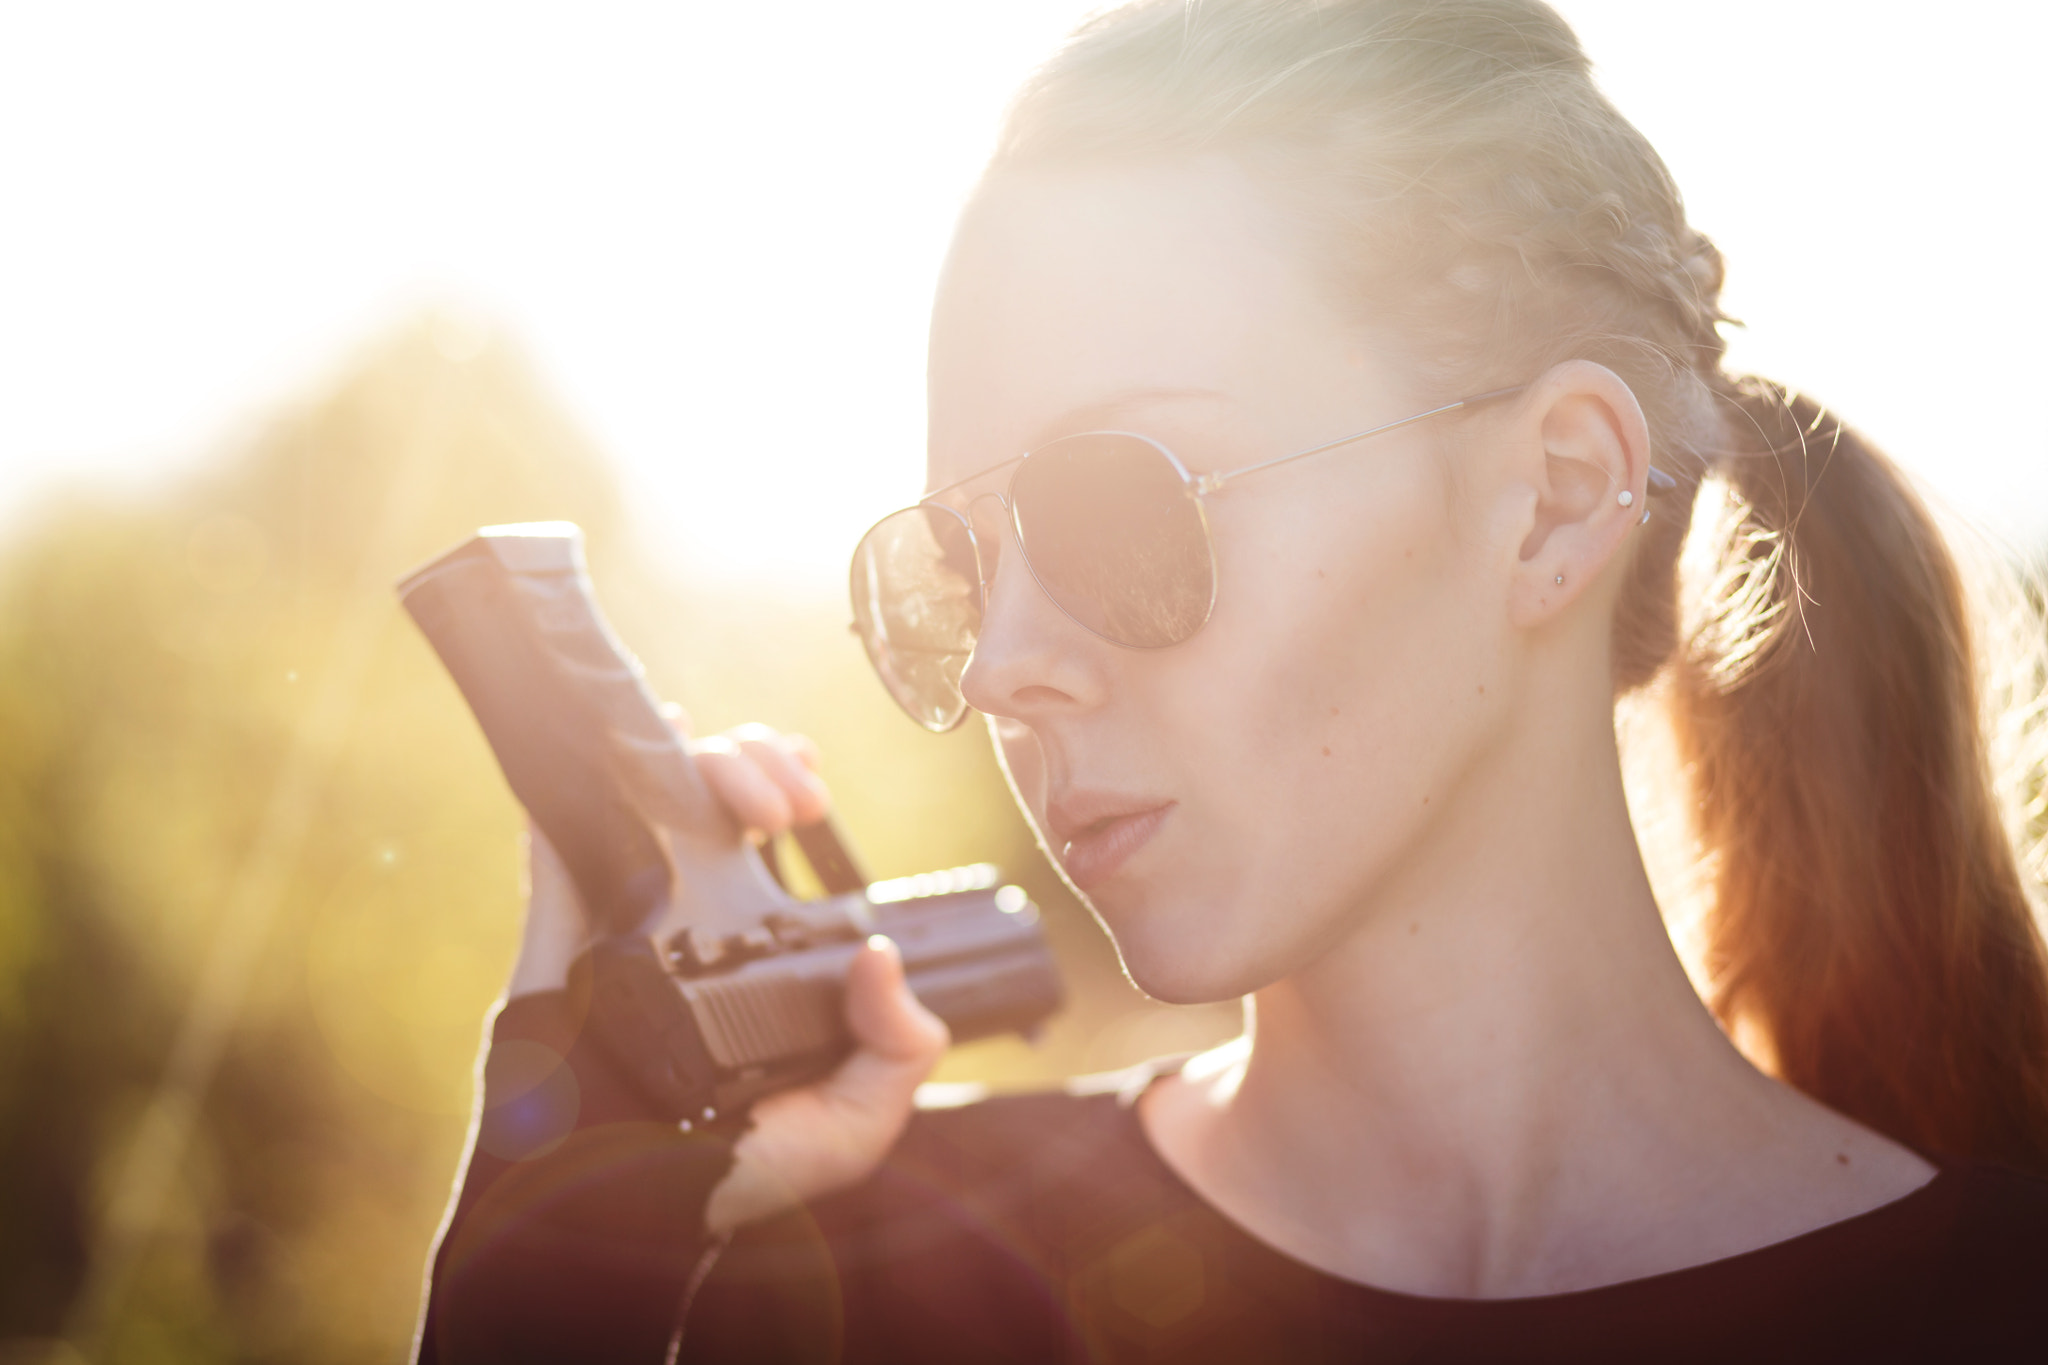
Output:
x=995 y=533
x=988 y=534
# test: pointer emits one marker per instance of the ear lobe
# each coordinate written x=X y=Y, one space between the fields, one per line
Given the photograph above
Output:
x=1590 y=487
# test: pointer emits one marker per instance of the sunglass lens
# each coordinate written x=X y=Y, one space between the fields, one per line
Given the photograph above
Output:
x=917 y=608
x=1114 y=538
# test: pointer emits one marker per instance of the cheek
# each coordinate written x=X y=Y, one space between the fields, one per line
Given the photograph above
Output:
x=1360 y=646
x=1318 y=731
x=1390 y=668
x=1023 y=765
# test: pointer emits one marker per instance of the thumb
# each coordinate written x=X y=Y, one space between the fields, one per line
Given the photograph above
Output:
x=899 y=1040
x=885 y=1017
x=822 y=1137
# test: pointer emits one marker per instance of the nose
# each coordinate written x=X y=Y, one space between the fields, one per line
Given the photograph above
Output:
x=1031 y=660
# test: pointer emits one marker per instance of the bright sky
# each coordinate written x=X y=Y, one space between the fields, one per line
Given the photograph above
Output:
x=716 y=226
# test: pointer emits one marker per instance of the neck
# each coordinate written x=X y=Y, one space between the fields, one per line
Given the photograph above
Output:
x=1506 y=1028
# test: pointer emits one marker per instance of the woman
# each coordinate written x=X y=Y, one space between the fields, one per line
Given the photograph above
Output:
x=1336 y=733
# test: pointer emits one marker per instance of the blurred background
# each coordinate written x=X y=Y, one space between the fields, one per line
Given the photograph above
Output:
x=294 y=296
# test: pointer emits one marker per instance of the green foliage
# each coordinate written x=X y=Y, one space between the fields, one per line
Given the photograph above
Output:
x=203 y=690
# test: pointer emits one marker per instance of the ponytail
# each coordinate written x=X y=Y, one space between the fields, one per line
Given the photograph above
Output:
x=1868 y=927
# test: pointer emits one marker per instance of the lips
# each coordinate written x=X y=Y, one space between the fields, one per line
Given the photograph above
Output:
x=1099 y=836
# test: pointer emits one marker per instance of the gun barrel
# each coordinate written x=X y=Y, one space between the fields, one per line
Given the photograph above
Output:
x=976 y=959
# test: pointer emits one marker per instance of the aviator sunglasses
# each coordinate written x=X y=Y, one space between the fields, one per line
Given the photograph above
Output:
x=1113 y=528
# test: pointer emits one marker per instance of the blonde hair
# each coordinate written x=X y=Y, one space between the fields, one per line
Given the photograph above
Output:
x=1452 y=165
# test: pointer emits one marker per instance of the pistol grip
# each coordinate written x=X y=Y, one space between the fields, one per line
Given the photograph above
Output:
x=644 y=1023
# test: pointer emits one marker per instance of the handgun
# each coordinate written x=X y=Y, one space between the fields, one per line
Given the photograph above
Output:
x=710 y=983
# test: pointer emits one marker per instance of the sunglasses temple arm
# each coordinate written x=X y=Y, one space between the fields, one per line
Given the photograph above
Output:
x=1210 y=482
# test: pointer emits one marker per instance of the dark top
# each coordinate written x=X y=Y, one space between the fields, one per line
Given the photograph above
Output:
x=1043 y=1228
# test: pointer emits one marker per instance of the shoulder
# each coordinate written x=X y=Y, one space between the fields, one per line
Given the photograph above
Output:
x=1987 y=1249
x=1996 y=1220
x=962 y=1244
x=1080 y=1112
x=1024 y=1161
x=977 y=1179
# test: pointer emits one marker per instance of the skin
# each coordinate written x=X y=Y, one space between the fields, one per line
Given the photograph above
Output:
x=1394 y=816
x=807 y=1141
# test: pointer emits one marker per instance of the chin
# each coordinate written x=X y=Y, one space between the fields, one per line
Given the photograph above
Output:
x=1180 y=988
x=1200 y=936
x=1179 y=958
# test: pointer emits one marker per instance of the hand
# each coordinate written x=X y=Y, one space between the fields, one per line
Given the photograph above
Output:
x=819 y=1137
x=832 y=1133
x=769 y=781
x=816 y=1138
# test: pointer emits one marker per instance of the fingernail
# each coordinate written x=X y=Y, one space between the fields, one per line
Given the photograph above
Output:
x=881 y=943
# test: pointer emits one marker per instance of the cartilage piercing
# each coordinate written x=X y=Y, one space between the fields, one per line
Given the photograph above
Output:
x=1560 y=580
x=1627 y=498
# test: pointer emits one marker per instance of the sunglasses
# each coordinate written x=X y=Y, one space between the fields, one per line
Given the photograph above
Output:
x=1113 y=528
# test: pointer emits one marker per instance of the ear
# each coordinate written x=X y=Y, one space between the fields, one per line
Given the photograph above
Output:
x=1586 y=460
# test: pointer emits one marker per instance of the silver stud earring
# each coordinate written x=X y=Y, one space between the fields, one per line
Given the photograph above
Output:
x=1627 y=498
x=1560 y=580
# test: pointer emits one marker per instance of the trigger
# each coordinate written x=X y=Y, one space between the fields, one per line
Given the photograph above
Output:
x=772 y=860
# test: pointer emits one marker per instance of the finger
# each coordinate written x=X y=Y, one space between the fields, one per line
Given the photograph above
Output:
x=900 y=1041
x=800 y=748
x=886 y=1019
x=808 y=799
x=675 y=715
x=817 y=1138
x=755 y=799
x=806 y=751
